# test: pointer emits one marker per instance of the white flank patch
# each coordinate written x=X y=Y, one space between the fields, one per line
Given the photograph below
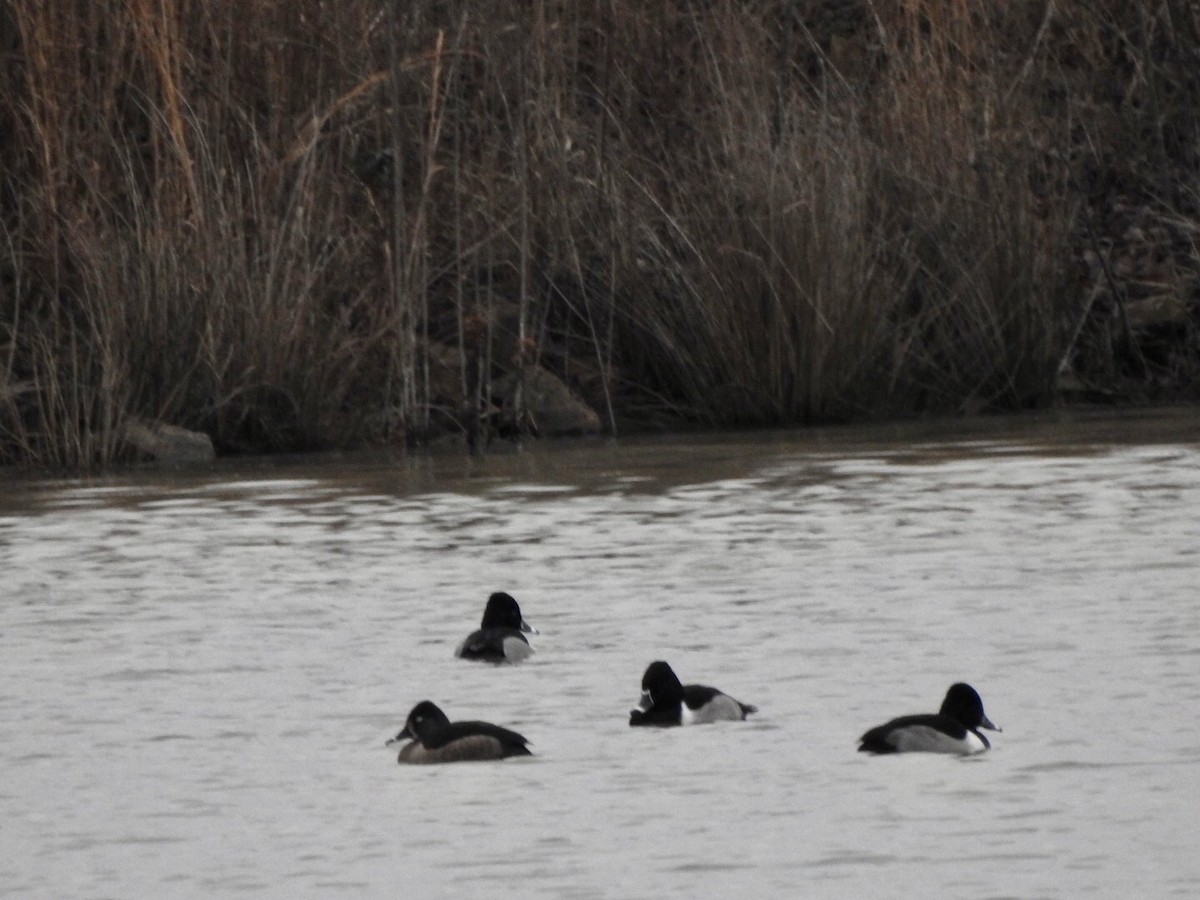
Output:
x=930 y=740
x=721 y=708
x=516 y=649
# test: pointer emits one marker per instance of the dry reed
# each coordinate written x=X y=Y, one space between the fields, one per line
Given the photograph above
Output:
x=317 y=225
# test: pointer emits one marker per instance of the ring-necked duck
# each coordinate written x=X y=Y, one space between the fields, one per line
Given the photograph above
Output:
x=665 y=701
x=435 y=739
x=954 y=729
x=500 y=637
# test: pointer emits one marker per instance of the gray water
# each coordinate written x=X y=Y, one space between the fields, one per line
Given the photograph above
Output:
x=198 y=671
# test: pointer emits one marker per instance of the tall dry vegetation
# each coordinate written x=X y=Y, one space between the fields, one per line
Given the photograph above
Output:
x=314 y=224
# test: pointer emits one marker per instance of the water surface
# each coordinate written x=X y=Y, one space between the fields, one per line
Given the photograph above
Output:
x=199 y=670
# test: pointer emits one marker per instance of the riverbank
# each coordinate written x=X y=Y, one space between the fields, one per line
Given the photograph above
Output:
x=342 y=226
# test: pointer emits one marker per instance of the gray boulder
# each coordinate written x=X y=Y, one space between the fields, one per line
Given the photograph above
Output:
x=547 y=402
x=169 y=443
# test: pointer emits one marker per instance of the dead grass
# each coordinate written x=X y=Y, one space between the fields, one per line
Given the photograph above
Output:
x=317 y=225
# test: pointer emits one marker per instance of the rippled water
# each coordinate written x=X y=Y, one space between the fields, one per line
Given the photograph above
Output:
x=199 y=671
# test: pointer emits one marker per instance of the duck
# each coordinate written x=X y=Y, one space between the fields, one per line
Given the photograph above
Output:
x=666 y=701
x=433 y=738
x=501 y=635
x=953 y=729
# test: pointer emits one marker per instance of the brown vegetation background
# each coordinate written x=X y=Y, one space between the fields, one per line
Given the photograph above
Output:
x=308 y=224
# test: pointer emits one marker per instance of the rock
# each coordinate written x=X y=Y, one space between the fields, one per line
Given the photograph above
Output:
x=10 y=392
x=549 y=403
x=169 y=443
x=1160 y=309
x=446 y=364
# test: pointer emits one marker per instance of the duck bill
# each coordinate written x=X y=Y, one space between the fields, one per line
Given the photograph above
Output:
x=404 y=735
x=528 y=629
x=989 y=725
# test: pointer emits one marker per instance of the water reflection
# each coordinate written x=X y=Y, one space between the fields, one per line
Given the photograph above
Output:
x=200 y=670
